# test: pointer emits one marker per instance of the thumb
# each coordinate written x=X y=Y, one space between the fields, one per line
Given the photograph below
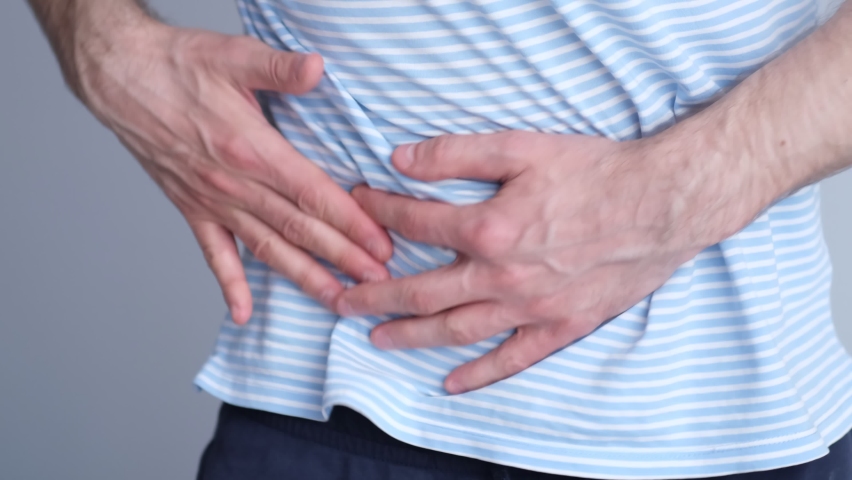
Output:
x=257 y=66
x=494 y=156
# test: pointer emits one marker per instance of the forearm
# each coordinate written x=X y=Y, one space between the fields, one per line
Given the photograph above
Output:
x=80 y=28
x=786 y=126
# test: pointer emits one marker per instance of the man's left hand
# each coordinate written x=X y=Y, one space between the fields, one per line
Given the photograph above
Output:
x=582 y=229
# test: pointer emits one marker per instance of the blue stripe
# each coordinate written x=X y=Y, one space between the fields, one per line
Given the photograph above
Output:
x=732 y=366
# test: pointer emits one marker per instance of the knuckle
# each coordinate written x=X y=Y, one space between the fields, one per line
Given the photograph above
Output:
x=295 y=229
x=311 y=201
x=277 y=69
x=513 y=361
x=220 y=182
x=263 y=205
x=460 y=333
x=419 y=302
x=236 y=152
x=509 y=277
x=409 y=224
x=438 y=148
x=262 y=247
x=211 y=255
x=489 y=236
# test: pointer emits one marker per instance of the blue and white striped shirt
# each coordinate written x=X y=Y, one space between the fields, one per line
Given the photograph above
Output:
x=732 y=366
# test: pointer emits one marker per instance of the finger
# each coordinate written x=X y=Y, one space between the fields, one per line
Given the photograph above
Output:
x=269 y=158
x=326 y=242
x=315 y=193
x=496 y=156
x=423 y=294
x=318 y=195
x=458 y=326
x=222 y=256
x=290 y=261
x=529 y=345
x=255 y=65
x=300 y=229
x=265 y=156
x=434 y=223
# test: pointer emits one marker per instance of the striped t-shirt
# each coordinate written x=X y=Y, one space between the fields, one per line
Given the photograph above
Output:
x=732 y=366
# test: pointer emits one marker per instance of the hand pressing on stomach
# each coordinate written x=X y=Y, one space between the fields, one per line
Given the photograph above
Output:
x=182 y=101
x=582 y=229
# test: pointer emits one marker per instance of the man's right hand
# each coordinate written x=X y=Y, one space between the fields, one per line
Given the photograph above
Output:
x=182 y=102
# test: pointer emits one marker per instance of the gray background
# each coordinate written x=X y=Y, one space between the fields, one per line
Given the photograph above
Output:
x=106 y=306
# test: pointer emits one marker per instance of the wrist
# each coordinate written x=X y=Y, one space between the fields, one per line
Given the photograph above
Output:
x=718 y=183
x=784 y=127
x=94 y=32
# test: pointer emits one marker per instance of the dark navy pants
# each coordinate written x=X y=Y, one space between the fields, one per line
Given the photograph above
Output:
x=256 y=445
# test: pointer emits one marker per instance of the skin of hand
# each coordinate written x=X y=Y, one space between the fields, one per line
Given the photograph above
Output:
x=182 y=101
x=584 y=227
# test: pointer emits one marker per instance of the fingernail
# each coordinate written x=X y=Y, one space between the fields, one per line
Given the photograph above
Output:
x=381 y=340
x=405 y=156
